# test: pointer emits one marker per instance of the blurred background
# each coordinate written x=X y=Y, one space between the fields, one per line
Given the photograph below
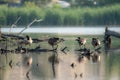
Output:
x=60 y=13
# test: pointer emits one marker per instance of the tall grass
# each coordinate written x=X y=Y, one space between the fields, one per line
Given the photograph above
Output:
x=3 y=14
x=108 y=15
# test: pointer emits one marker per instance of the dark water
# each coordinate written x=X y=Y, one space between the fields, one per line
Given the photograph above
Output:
x=57 y=65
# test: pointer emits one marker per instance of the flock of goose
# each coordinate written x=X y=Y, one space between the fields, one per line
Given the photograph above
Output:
x=54 y=41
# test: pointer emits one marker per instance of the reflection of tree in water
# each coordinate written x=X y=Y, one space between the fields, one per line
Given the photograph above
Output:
x=80 y=58
x=54 y=60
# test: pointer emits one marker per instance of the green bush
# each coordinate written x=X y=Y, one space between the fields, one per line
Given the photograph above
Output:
x=53 y=17
x=3 y=15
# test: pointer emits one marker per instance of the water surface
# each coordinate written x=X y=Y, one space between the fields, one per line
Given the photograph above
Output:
x=57 y=65
x=104 y=66
x=63 y=30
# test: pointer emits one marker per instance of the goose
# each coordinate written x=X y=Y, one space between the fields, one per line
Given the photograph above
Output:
x=29 y=40
x=54 y=41
x=81 y=41
x=95 y=42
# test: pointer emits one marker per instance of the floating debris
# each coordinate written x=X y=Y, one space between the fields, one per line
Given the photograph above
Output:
x=10 y=63
x=81 y=75
x=75 y=75
x=73 y=65
x=27 y=75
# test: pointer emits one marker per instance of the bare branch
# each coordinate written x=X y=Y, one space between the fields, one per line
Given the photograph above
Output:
x=14 y=24
x=35 y=20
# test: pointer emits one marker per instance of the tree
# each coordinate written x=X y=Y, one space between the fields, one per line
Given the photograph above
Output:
x=95 y=2
x=107 y=2
x=85 y=2
x=10 y=1
x=37 y=2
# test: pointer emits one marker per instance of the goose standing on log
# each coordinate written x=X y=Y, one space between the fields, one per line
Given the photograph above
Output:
x=29 y=40
x=81 y=41
x=54 y=41
x=95 y=42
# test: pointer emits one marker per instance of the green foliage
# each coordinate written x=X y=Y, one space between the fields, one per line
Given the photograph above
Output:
x=29 y=4
x=109 y=15
x=56 y=6
x=54 y=17
x=3 y=13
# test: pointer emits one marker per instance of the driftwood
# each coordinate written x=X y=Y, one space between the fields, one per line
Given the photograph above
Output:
x=35 y=40
x=15 y=23
x=24 y=50
x=35 y=20
x=39 y=50
x=18 y=37
x=112 y=33
x=12 y=36
x=107 y=37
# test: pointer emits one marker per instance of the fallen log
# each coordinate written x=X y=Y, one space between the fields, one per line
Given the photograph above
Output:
x=107 y=38
x=4 y=51
x=40 y=50
x=112 y=33
x=13 y=36
x=24 y=50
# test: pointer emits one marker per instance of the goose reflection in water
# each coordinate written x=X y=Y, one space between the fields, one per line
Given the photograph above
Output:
x=95 y=57
x=80 y=58
x=95 y=42
x=54 y=60
x=28 y=63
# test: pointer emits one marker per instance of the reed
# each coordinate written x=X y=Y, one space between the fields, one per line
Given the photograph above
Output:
x=107 y=15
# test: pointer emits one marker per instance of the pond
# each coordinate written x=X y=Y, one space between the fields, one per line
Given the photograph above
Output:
x=104 y=68
x=60 y=65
